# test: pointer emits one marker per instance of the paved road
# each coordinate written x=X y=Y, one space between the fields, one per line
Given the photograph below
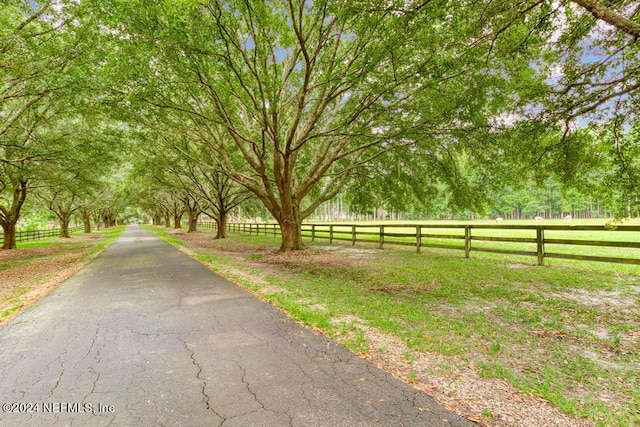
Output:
x=144 y=335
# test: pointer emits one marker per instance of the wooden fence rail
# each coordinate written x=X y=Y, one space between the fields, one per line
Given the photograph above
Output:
x=465 y=237
x=32 y=235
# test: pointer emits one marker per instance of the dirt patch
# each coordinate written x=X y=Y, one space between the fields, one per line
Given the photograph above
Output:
x=456 y=385
x=272 y=290
x=614 y=299
x=207 y=241
x=317 y=257
x=318 y=307
x=348 y=320
x=350 y=252
x=23 y=254
x=311 y=259
x=177 y=231
x=599 y=359
x=27 y=275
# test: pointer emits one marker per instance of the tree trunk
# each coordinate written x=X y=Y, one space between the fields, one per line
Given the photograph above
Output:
x=291 y=235
x=177 y=220
x=9 y=232
x=86 y=221
x=9 y=216
x=193 y=222
x=167 y=221
x=64 y=225
x=221 y=221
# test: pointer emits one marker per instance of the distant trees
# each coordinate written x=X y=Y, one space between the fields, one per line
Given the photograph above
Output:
x=183 y=179
x=548 y=199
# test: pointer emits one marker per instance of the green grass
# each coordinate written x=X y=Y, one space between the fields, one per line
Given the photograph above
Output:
x=567 y=332
x=163 y=233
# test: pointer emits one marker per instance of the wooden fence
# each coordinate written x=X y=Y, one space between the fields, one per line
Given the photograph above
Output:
x=469 y=237
x=31 y=235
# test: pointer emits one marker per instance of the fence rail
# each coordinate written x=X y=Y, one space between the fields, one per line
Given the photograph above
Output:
x=472 y=237
x=32 y=235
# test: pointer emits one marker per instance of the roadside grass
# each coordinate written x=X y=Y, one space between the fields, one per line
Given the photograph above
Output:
x=566 y=333
x=29 y=272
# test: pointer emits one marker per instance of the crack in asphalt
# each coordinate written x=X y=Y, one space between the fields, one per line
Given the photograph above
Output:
x=93 y=342
x=203 y=389
x=62 y=370
x=255 y=396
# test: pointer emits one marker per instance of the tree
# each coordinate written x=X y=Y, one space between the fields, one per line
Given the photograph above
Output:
x=306 y=93
x=23 y=76
x=44 y=108
x=588 y=51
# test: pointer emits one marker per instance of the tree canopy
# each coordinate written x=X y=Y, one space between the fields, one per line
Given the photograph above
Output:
x=296 y=102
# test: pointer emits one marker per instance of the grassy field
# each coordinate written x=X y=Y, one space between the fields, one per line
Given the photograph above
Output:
x=491 y=336
x=31 y=271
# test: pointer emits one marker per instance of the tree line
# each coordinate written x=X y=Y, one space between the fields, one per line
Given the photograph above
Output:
x=202 y=106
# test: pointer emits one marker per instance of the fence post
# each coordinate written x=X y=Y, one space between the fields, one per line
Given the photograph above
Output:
x=381 y=236
x=331 y=234
x=313 y=232
x=467 y=241
x=540 y=244
x=418 y=238
x=353 y=235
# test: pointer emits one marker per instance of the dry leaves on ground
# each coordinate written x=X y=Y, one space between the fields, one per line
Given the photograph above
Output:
x=29 y=274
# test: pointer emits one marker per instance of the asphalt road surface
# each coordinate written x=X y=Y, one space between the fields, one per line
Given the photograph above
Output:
x=146 y=336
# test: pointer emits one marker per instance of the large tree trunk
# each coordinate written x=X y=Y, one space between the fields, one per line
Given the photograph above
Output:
x=9 y=233
x=291 y=235
x=221 y=222
x=167 y=221
x=193 y=222
x=109 y=220
x=63 y=219
x=9 y=215
x=64 y=226
x=86 y=221
x=177 y=221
